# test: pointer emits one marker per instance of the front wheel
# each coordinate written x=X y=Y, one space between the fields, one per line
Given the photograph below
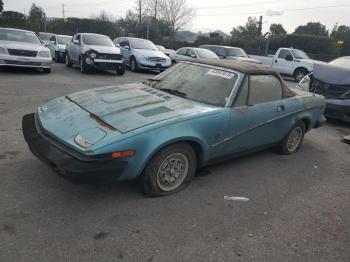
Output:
x=68 y=62
x=121 y=70
x=170 y=170
x=133 y=64
x=292 y=142
x=83 y=66
x=299 y=74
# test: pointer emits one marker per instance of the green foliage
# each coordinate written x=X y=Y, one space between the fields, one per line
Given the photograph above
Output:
x=1 y=6
x=312 y=28
x=13 y=19
x=36 y=18
x=277 y=30
x=342 y=33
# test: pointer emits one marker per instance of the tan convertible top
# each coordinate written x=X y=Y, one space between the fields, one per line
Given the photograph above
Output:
x=249 y=69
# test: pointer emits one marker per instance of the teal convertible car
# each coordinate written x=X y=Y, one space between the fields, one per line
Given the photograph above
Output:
x=162 y=130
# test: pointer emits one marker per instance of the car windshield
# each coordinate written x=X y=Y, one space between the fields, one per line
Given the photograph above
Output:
x=298 y=54
x=19 y=36
x=63 y=40
x=204 y=53
x=236 y=52
x=100 y=40
x=142 y=44
x=197 y=82
x=343 y=62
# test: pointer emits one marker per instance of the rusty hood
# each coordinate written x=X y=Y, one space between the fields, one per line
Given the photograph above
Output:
x=129 y=107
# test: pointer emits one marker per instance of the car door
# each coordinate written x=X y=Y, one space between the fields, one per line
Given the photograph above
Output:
x=258 y=114
x=75 y=49
x=52 y=45
x=191 y=54
x=181 y=55
x=284 y=63
x=126 y=50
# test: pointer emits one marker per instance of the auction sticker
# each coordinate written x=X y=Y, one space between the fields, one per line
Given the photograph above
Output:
x=221 y=73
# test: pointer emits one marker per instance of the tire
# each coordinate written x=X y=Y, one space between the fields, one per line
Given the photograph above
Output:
x=83 y=66
x=173 y=62
x=133 y=64
x=121 y=70
x=170 y=170
x=68 y=62
x=56 y=58
x=299 y=74
x=46 y=70
x=288 y=146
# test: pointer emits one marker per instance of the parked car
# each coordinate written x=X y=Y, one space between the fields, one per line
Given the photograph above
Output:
x=289 y=61
x=166 y=51
x=230 y=53
x=22 y=48
x=94 y=51
x=162 y=130
x=142 y=54
x=192 y=54
x=57 y=46
x=333 y=82
x=45 y=37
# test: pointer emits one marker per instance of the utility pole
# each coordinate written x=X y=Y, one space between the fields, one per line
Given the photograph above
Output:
x=155 y=10
x=147 y=31
x=260 y=24
x=140 y=11
x=44 y=22
x=63 y=13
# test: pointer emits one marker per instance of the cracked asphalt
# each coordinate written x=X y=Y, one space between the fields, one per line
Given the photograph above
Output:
x=298 y=208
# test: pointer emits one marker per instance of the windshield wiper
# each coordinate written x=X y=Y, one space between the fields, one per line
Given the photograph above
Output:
x=173 y=92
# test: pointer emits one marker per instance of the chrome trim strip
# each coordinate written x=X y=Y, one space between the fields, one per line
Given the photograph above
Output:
x=261 y=124
x=108 y=61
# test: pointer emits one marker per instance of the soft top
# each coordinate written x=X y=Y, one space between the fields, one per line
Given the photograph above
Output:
x=249 y=69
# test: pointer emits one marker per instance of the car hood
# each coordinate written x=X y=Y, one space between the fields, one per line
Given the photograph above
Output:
x=150 y=53
x=129 y=107
x=21 y=45
x=104 y=49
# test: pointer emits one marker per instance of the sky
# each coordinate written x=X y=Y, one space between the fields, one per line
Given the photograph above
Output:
x=211 y=15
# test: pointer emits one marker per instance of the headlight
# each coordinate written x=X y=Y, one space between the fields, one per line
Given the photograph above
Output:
x=82 y=142
x=44 y=54
x=3 y=51
x=141 y=57
x=304 y=84
x=93 y=55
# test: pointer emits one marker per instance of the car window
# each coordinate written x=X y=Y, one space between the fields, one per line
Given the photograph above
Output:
x=263 y=89
x=298 y=54
x=63 y=40
x=137 y=43
x=124 y=43
x=98 y=40
x=284 y=53
x=182 y=51
x=236 y=52
x=205 y=53
x=53 y=38
x=197 y=82
x=221 y=51
x=243 y=95
x=191 y=52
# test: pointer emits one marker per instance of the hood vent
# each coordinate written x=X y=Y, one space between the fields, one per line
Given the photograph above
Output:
x=155 y=111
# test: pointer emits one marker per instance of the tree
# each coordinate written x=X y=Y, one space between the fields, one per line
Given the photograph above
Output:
x=342 y=33
x=277 y=30
x=312 y=28
x=176 y=13
x=1 y=6
x=249 y=31
x=36 y=16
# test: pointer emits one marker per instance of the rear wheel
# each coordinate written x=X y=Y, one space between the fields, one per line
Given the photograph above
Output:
x=170 y=170
x=292 y=142
x=68 y=62
x=300 y=73
x=133 y=64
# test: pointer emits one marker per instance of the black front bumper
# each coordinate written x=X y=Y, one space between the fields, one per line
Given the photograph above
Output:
x=338 y=109
x=67 y=162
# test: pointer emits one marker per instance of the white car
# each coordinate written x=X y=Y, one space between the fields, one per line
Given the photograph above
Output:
x=289 y=61
x=192 y=54
x=57 y=46
x=21 y=48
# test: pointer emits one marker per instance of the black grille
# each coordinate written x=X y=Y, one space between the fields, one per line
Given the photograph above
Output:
x=109 y=56
x=157 y=59
x=19 y=52
x=11 y=62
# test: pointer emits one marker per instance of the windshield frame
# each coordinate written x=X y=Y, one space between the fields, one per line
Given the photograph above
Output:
x=96 y=35
x=234 y=90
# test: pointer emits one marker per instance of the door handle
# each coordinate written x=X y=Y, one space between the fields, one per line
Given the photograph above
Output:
x=280 y=108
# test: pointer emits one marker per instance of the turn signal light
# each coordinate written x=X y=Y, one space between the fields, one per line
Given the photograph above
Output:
x=120 y=154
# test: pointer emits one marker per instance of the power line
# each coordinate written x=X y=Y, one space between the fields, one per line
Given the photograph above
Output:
x=241 y=5
x=285 y=10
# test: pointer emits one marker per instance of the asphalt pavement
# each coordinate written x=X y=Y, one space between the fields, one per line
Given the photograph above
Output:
x=298 y=207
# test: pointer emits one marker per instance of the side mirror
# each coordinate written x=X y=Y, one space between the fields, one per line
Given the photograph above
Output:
x=76 y=42
x=127 y=47
x=117 y=45
x=52 y=42
x=289 y=58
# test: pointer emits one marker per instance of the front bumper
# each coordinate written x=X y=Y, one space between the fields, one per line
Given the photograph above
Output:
x=146 y=65
x=25 y=61
x=106 y=64
x=338 y=109
x=67 y=162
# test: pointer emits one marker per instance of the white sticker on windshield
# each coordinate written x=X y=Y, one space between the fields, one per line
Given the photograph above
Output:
x=221 y=73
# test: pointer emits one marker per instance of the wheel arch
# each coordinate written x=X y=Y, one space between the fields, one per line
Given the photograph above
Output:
x=300 y=68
